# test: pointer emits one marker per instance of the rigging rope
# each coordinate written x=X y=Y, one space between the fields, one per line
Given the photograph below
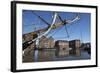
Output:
x=54 y=18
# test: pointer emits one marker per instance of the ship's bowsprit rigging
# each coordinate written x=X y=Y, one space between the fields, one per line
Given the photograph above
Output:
x=50 y=26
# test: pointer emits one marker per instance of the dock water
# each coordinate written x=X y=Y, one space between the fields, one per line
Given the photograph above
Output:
x=50 y=55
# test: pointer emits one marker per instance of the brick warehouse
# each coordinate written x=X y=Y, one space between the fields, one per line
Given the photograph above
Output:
x=62 y=48
x=75 y=45
x=45 y=42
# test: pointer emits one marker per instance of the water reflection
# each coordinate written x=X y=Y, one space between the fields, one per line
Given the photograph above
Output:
x=49 y=55
x=36 y=55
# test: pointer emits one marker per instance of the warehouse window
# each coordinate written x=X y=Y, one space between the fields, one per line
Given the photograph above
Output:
x=64 y=48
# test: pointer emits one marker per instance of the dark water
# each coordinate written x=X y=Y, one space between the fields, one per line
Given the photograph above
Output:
x=49 y=55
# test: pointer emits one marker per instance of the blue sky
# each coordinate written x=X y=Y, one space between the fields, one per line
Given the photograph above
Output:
x=77 y=30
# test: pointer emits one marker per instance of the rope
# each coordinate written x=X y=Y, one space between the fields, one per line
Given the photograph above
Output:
x=54 y=18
